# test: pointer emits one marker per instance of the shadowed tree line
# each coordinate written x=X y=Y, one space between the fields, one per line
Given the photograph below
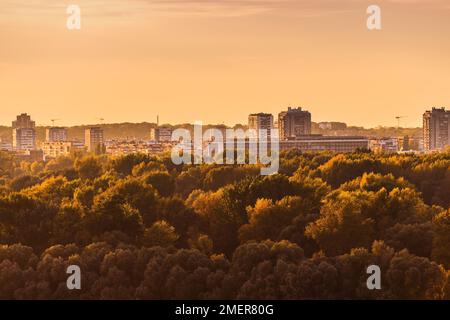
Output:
x=141 y=227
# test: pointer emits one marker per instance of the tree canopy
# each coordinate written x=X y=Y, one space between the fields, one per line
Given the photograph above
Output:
x=140 y=227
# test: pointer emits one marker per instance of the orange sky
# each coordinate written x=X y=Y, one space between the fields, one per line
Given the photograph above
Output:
x=219 y=60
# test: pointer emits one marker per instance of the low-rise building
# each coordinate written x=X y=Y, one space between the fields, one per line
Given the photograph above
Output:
x=161 y=134
x=5 y=145
x=29 y=155
x=119 y=148
x=318 y=143
x=385 y=145
x=56 y=149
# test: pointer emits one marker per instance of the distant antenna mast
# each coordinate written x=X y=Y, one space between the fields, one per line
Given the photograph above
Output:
x=53 y=121
x=157 y=120
x=398 y=120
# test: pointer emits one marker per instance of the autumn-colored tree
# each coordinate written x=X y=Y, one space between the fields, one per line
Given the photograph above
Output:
x=141 y=227
x=441 y=241
x=163 y=182
x=268 y=219
x=89 y=167
x=161 y=234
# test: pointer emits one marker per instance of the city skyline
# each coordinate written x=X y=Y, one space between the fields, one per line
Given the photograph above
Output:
x=293 y=131
x=218 y=61
x=219 y=157
x=57 y=123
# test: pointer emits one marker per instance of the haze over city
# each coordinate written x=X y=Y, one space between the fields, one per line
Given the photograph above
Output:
x=217 y=61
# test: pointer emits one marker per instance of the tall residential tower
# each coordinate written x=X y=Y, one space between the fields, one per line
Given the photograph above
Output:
x=93 y=140
x=294 y=123
x=55 y=134
x=24 y=133
x=436 y=129
x=261 y=122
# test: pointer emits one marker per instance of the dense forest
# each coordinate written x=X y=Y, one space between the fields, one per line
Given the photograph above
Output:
x=140 y=227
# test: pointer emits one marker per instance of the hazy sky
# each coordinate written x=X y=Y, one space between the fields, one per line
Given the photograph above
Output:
x=219 y=60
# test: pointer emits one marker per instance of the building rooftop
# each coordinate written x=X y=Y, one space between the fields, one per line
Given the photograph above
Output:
x=322 y=137
x=261 y=114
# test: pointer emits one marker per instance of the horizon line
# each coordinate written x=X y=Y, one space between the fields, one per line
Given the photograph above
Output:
x=210 y=124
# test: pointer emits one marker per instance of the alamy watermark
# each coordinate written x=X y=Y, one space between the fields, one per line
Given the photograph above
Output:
x=374 y=280
x=374 y=19
x=239 y=147
x=74 y=18
x=74 y=280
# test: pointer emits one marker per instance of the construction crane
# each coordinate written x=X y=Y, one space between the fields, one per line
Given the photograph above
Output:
x=398 y=120
x=53 y=121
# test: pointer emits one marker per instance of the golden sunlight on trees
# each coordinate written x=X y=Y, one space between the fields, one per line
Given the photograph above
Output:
x=140 y=227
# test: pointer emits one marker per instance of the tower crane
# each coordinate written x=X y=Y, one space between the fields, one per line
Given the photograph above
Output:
x=101 y=120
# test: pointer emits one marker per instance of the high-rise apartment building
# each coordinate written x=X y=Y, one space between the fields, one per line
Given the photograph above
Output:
x=23 y=121
x=436 y=129
x=294 y=123
x=261 y=122
x=24 y=133
x=93 y=140
x=55 y=134
x=24 y=139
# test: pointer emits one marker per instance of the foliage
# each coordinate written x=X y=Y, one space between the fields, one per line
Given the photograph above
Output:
x=142 y=228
